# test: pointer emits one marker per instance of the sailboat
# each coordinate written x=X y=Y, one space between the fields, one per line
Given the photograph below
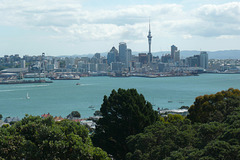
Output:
x=27 y=96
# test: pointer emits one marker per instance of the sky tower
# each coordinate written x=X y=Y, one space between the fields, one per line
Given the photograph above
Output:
x=149 y=44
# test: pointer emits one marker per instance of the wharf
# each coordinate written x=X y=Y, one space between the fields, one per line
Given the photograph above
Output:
x=24 y=81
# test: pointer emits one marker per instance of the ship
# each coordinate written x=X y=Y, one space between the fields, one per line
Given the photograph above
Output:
x=66 y=77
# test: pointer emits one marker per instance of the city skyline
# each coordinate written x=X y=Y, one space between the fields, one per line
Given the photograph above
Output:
x=82 y=27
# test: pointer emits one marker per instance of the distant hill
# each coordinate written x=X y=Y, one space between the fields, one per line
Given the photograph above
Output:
x=224 y=54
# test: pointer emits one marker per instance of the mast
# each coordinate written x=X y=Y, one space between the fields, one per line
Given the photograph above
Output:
x=149 y=44
x=149 y=38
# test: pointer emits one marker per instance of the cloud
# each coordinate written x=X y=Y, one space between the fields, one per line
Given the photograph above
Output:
x=226 y=37
x=224 y=13
x=187 y=36
x=217 y=20
x=71 y=19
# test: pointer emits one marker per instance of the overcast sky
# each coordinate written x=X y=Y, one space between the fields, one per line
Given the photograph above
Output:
x=67 y=27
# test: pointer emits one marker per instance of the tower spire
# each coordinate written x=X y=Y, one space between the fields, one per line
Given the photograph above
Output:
x=149 y=26
x=149 y=44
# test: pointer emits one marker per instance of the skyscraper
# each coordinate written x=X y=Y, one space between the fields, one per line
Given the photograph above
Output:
x=173 y=50
x=123 y=53
x=149 y=44
x=129 y=57
x=112 y=55
x=204 y=60
x=176 y=56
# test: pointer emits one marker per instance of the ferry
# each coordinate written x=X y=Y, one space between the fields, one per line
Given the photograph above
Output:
x=66 y=77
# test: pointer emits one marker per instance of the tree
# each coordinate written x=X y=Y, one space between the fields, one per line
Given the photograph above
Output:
x=37 y=138
x=175 y=137
x=1 y=116
x=214 y=107
x=97 y=113
x=160 y=139
x=74 y=114
x=124 y=113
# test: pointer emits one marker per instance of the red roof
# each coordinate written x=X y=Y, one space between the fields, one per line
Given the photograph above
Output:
x=58 y=118
x=77 y=120
x=46 y=115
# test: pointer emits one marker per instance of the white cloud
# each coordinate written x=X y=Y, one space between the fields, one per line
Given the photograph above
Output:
x=226 y=37
x=224 y=13
x=187 y=36
x=71 y=19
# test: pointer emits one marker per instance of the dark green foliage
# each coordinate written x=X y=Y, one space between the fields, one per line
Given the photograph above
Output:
x=75 y=114
x=184 y=107
x=124 y=113
x=214 y=107
x=1 y=116
x=97 y=113
x=37 y=138
x=174 y=138
x=160 y=139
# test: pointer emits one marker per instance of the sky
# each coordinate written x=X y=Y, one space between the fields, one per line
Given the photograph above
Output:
x=78 y=27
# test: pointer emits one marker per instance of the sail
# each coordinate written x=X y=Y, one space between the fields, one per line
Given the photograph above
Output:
x=27 y=97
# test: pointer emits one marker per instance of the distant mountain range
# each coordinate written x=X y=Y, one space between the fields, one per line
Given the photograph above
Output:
x=223 y=54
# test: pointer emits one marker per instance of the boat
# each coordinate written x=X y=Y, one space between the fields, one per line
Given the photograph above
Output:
x=170 y=101
x=78 y=84
x=65 y=77
x=27 y=96
x=91 y=107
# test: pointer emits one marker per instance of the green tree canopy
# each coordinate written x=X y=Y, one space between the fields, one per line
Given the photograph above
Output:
x=37 y=138
x=76 y=114
x=97 y=113
x=175 y=137
x=125 y=112
x=214 y=107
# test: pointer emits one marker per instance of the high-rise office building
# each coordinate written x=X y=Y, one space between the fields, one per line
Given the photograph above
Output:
x=176 y=56
x=23 y=63
x=112 y=55
x=173 y=50
x=204 y=60
x=123 y=53
x=143 y=58
x=129 y=57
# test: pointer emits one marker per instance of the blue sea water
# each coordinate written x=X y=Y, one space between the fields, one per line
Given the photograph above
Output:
x=62 y=97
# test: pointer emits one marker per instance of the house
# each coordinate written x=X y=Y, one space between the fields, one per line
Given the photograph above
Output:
x=11 y=120
x=58 y=118
x=46 y=115
x=89 y=123
x=77 y=120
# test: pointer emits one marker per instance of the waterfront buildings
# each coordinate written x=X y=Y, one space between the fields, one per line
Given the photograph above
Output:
x=116 y=61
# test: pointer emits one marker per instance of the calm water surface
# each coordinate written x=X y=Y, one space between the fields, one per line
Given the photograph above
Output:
x=62 y=97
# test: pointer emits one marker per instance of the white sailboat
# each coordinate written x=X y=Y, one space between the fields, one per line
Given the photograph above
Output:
x=27 y=97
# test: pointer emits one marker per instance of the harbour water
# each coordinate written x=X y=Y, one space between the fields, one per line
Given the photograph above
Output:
x=62 y=97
